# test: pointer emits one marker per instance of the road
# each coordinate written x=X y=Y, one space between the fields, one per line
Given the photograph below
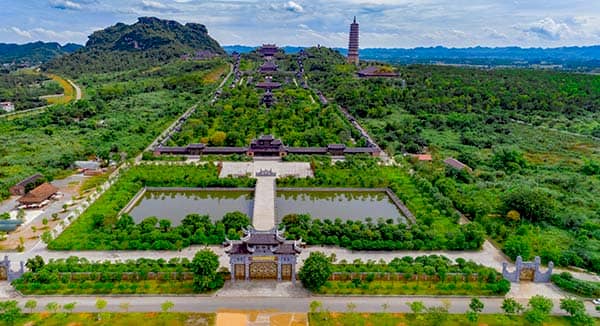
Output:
x=78 y=96
x=334 y=304
x=78 y=93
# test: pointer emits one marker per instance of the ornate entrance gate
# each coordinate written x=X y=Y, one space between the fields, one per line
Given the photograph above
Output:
x=262 y=255
x=3 y=273
x=240 y=271
x=286 y=272
x=527 y=274
x=263 y=270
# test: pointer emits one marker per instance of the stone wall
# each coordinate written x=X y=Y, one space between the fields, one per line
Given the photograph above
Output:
x=520 y=265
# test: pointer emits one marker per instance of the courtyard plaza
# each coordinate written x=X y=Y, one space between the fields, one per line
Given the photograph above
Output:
x=489 y=255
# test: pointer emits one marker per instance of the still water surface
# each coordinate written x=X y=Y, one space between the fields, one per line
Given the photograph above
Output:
x=175 y=205
x=346 y=205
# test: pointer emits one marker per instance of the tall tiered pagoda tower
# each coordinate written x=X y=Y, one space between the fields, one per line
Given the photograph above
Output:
x=353 y=43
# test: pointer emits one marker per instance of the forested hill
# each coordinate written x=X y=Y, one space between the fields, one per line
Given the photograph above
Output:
x=33 y=53
x=148 y=42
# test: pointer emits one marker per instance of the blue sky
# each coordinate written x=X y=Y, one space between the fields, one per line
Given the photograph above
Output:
x=384 y=23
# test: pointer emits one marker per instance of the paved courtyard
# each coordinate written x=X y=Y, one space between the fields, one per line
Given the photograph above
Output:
x=282 y=169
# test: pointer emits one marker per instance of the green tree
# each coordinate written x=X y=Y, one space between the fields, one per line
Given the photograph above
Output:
x=316 y=271
x=511 y=306
x=167 y=306
x=204 y=266
x=416 y=307
x=235 y=221
x=539 y=309
x=476 y=306
x=69 y=307
x=218 y=138
x=31 y=305
x=46 y=237
x=532 y=203
x=516 y=245
x=100 y=305
x=10 y=312
x=315 y=306
x=576 y=309
x=35 y=264
x=436 y=315
x=53 y=307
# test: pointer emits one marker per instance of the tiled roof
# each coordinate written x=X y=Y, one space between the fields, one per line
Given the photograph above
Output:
x=39 y=194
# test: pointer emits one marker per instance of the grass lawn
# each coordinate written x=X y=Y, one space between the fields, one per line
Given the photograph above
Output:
x=69 y=91
x=109 y=287
x=407 y=288
x=390 y=319
x=117 y=319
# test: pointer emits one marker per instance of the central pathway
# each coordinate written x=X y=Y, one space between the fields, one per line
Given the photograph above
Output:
x=293 y=304
x=263 y=217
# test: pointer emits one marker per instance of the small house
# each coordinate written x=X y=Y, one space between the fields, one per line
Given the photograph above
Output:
x=7 y=106
x=39 y=195
x=457 y=165
x=22 y=187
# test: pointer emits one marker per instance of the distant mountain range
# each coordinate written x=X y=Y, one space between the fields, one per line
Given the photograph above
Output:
x=148 y=42
x=568 y=57
x=34 y=53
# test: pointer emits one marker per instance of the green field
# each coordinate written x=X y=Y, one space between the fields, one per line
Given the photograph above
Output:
x=117 y=319
x=122 y=113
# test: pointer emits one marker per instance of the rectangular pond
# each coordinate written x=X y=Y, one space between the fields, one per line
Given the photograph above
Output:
x=346 y=205
x=176 y=205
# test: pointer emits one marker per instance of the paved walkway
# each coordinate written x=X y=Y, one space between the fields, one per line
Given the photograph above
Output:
x=282 y=169
x=267 y=288
x=334 y=304
x=263 y=216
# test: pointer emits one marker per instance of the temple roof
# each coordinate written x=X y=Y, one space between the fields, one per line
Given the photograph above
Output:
x=272 y=239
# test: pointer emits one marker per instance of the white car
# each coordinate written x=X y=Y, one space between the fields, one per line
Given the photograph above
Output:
x=596 y=302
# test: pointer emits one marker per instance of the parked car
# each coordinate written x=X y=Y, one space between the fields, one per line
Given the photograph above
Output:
x=596 y=301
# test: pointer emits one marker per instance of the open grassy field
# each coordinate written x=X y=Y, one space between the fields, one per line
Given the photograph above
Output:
x=117 y=319
x=395 y=319
x=68 y=91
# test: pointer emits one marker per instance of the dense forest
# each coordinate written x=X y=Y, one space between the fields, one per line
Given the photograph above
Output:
x=121 y=115
x=35 y=52
x=528 y=135
x=237 y=118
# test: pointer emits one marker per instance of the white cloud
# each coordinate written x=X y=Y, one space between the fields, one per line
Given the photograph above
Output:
x=149 y=4
x=548 y=29
x=21 y=32
x=294 y=7
x=65 y=4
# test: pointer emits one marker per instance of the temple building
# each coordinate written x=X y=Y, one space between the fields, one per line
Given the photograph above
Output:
x=263 y=255
x=268 y=84
x=267 y=145
x=268 y=66
x=353 y=43
x=268 y=98
x=268 y=50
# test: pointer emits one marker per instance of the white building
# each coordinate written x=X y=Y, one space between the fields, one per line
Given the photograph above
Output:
x=7 y=106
